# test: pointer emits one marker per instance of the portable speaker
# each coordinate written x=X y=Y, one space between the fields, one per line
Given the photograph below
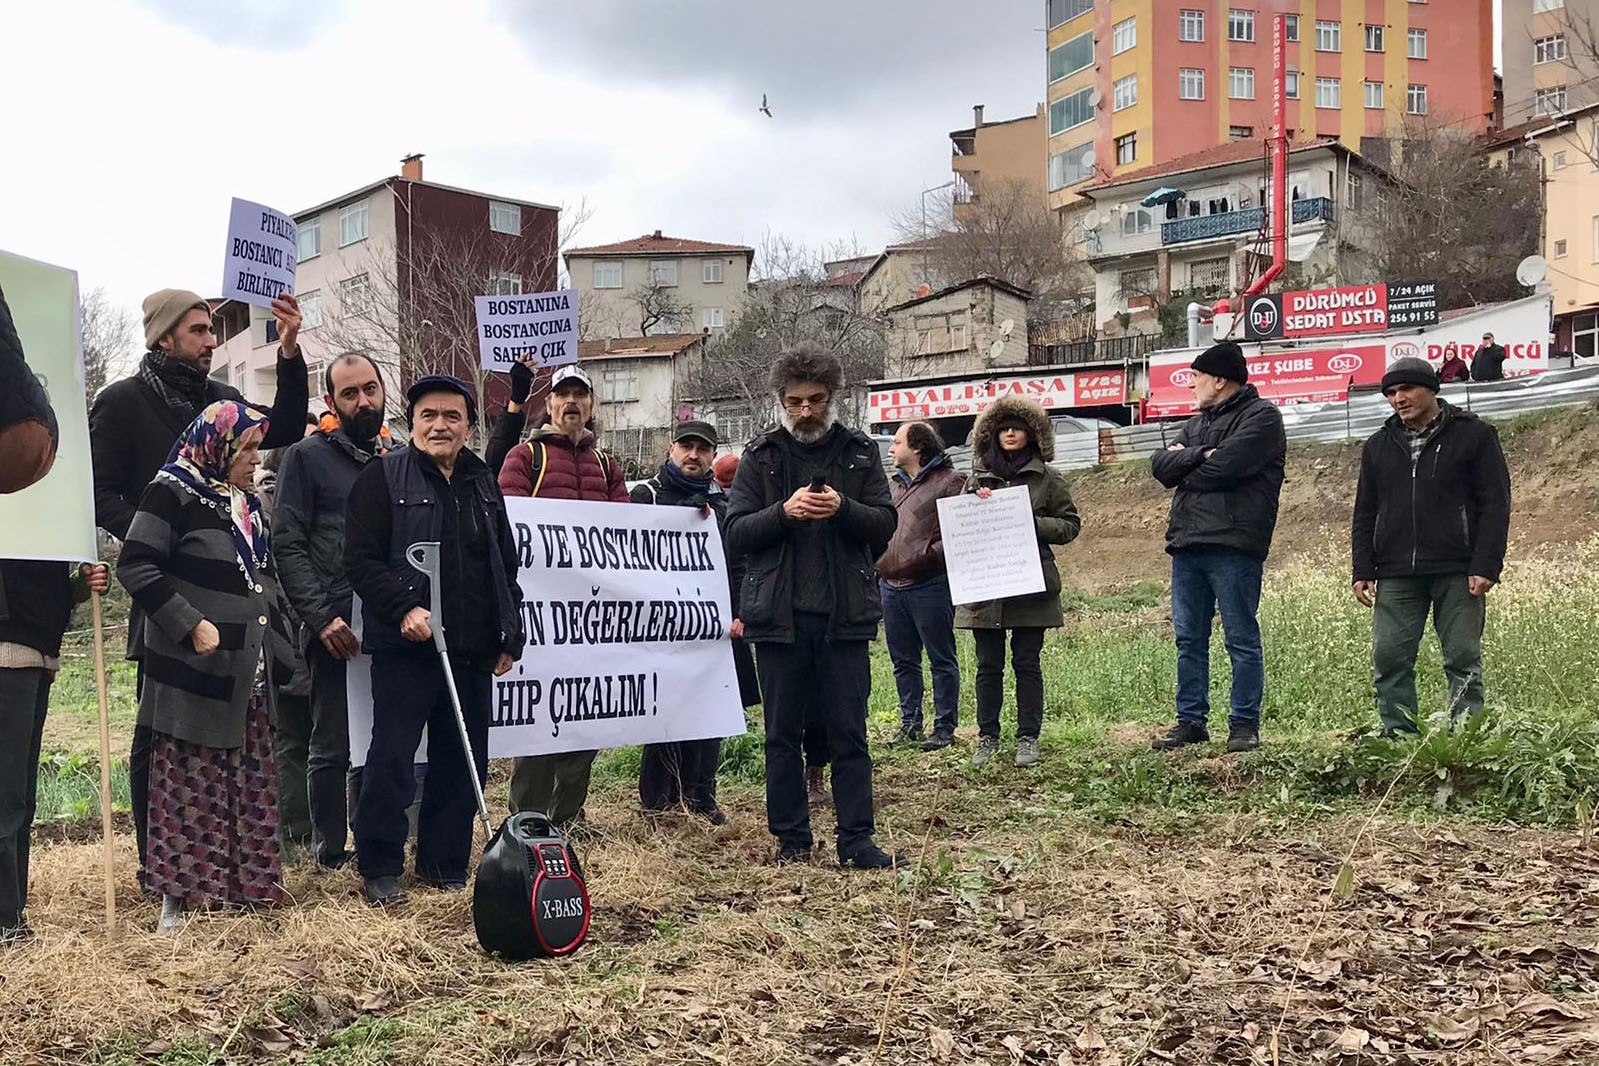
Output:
x=529 y=900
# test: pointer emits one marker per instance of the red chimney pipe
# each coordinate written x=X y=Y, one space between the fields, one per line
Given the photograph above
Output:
x=1279 y=157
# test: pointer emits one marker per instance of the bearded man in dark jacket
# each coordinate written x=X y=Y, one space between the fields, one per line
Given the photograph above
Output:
x=1227 y=467
x=134 y=423
x=1432 y=517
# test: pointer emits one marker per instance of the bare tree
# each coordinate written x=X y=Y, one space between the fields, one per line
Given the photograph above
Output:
x=658 y=304
x=1582 y=59
x=110 y=342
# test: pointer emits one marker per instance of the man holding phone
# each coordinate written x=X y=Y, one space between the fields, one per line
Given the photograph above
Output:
x=810 y=512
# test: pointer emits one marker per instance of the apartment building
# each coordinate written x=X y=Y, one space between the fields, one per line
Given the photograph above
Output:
x=390 y=269
x=998 y=157
x=1357 y=69
x=1549 y=60
x=658 y=285
x=640 y=385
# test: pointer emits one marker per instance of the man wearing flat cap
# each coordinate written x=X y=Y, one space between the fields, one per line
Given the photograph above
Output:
x=682 y=775
x=134 y=422
x=1226 y=466
x=1432 y=516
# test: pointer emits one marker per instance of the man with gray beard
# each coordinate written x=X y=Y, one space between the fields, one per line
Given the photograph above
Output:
x=810 y=512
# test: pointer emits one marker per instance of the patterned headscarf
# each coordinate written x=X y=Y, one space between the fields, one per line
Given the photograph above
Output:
x=200 y=461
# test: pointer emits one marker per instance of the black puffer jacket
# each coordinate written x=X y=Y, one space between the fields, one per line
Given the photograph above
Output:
x=761 y=536
x=1229 y=500
x=1447 y=513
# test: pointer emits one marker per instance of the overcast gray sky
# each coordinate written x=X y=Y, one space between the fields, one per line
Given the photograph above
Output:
x=130 y=125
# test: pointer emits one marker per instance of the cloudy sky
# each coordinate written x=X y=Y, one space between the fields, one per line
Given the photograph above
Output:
x=129 y=124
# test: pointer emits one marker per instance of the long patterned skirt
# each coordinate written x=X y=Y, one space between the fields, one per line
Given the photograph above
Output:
x=214 y=818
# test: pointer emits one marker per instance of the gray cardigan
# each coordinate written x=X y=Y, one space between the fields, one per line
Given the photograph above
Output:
x=179 y=564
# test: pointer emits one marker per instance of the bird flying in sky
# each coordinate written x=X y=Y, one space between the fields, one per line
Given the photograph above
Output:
x=764 y=109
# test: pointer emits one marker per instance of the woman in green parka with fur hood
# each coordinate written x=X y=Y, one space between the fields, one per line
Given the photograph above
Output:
x=1011 y=445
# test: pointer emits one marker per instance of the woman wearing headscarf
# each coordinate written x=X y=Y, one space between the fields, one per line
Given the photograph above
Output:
x=196 y=561
x=1012 y=444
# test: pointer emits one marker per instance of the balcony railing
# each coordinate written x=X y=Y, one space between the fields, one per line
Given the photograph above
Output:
x=1249 y=220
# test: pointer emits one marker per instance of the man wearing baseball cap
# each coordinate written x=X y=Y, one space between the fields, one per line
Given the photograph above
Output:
x=561 y=460
x=1227 y=467
x=1432 y=517
x=1489 y=362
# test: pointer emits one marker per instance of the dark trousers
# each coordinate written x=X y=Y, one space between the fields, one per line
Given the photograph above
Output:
x=291 y=737
x=680 y=774
x=331 y=787
x=139 y=774
x=1026 y=647
x=1403 y=604
x=826 y=681
x=922 y=616
x=1200 y=582
x=556 y=784
x=408 y=693
x=24 y=698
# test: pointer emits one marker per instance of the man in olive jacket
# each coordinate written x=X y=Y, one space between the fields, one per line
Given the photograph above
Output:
x=1227 y=467
x=809 y=602
x=1432 y=516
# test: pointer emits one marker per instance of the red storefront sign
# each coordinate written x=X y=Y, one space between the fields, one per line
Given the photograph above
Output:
x=1283 y=377
x=1084 y=388
x=1351 y=309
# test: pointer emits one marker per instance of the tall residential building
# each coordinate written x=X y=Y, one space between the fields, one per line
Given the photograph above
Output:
x=1549 y=58
x=1138 y=82
x=998 y=158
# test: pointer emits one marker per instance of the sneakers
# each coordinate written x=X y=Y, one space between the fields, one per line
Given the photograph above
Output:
x=941 y=738
x=815 y=786
x=1026 y=751
x=789 y=855
x=987 y=748
x=1181 y=735
x=445 y=884
x=383 y=891
x=869 y=856
x=1242 y=738
x=910 y=734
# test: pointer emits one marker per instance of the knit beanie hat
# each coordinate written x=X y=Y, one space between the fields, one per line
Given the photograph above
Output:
x=1410 y=372
x=1223 y=360
x=164 y=309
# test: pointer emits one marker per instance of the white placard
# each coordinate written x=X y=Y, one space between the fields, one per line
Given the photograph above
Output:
x=263 y=248
x=990 y=546
x=540 y=325
x=627 y=610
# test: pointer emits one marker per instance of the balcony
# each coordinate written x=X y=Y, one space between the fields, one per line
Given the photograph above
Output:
x=1249 y=220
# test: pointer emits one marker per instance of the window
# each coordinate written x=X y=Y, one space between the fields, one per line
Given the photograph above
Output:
x=1560 y=250
x=1329 y=36
x=1374 y=38
x=1291 y=84
x=1416 y=100
x=1328 y=93
x=1126 y=149
x=1596 y=238
x=1065 y=10
x=1137 y=220
x=1241 y=83
x=1137 y=282
x=1123 y=35
x=1560 y=160
x=607 y=275
x=1190 y=84
x=355 y=295
x=1190 y=26
x=1124 y=93
x=663 y=272
x=1291 y=26
x=1585 y=335
x=713 y=272
x=711 y=318
x=1209 y=274
x=1549 y=101
x=1354 y=195
x=1416 y=44
x=505 y=218
x=1070 y=167
x=1069 y=111
x=619 y=384
x=1549 y=49
x=1240 y=25
x=1547 y=5
x=504 y=283
x=1072 y=56
x=310 y=308
x=352 y=223
x=1374 y=94
x=310 y=239
x=940 y=333
x=1240 y=133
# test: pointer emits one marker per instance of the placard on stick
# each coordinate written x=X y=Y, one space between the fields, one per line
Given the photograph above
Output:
x=263 y=250
x=540 y=325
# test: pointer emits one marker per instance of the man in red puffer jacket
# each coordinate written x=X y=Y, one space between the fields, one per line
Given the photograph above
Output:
x=560 y=460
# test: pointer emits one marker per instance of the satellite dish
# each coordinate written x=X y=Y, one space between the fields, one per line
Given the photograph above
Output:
x=1092 y=220
x=1006 y=326
x=995 y=348
x=1531 y=270
x=1088 y=159
x=1095 y=98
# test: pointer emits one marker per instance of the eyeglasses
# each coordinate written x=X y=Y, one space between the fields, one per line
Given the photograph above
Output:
x=814 y=403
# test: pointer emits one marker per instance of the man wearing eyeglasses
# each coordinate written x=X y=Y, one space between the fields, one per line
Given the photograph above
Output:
x=810 y=512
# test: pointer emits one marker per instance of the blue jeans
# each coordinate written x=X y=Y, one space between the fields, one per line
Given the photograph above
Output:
x=917 y=617
x=1200 y=581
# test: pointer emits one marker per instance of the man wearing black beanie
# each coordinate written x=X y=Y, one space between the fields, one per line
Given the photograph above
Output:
x=1432 y=516
x=1227 y=467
